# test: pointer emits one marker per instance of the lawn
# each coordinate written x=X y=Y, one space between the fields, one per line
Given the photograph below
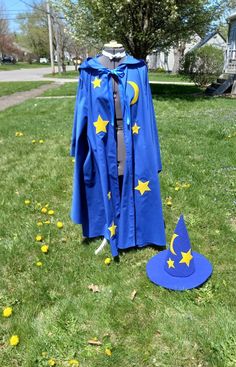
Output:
x=7 y=88
x=54 y=312
x=69 y=89
x=154 y=76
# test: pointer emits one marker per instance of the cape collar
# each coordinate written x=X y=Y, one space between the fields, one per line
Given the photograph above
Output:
x=94 y=63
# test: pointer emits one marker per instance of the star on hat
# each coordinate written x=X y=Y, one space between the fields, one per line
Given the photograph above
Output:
x=179 y=267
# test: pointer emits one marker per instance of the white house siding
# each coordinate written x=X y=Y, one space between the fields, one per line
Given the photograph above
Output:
x=165 y=60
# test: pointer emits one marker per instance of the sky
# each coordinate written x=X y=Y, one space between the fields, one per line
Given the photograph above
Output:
x=14 y=7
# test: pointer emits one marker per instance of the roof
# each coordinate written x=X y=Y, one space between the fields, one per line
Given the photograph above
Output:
x=206 y=39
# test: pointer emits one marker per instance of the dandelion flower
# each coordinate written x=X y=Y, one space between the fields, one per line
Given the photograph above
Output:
x=59 y=225
x=51 y=362
x=168 y=201
x=51 y=212
x=39 y=223
x=39 y=238
x=14 y=340
x=47 y=221
x=108 y=352
x=41 y=141
x=39 y=263
x=33 y=141
x=44 y=248
x=27 y=202
x=73 y=362
x=7 y=311
x=107 y=261
x=44 y=210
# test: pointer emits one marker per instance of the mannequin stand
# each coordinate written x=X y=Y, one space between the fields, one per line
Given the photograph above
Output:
x=112 y=55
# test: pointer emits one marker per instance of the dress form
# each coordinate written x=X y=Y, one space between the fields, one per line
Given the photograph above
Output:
x=106 y=59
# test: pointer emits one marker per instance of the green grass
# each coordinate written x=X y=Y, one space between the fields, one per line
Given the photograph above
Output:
x=22 y=65
x=154 y=76
x=67 y=89
x=186 y=91
x=53 y=310
x=7 y=88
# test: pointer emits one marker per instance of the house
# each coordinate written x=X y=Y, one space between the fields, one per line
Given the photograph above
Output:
x=169 y=61
x=226 y=83
x=230 y=59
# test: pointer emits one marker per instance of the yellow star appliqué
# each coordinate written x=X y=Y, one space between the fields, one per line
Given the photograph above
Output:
x=109 y=195
x=170 y=263
x=135 y=128
x=100 y=125
x=186 y=257
x=112 y=229
x=142 y=187
x=96 y=83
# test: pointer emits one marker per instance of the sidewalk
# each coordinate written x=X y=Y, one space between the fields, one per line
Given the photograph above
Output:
x=19 y=97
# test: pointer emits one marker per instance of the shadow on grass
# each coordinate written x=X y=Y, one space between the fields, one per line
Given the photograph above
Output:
x=175 y=91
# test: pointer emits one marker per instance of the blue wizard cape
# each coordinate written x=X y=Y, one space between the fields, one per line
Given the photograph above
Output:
x=133 y=218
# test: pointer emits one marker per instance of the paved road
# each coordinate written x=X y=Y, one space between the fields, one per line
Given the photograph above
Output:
x=21 y=75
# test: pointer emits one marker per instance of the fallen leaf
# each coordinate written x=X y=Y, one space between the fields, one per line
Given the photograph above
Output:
x=133 y=294
x=94 y=288
x=94 y=342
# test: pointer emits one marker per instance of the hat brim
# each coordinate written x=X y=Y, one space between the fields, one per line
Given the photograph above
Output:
x=157 y=274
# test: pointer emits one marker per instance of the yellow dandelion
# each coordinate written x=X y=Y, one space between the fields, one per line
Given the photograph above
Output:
x=41 y=141
x=14 y=340
x=73 y=362
x=27 y=202
x=7 y=311
x=108 y=352
x=177 y=188
x=44 y=248
x=39 y=263
x=19 y=133
x=186 y=185
x=168 y=201
x=44 y=210
x=59 y=225
x=38 y=238
x=33 y=141
x=47 y=221
x=51 y=212
x=107 y=261
x=51 y=362
x=39 y=223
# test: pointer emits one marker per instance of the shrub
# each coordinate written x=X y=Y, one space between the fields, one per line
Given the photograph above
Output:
x=203 y=65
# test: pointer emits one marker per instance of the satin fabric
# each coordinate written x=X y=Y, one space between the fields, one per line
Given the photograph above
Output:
x=96 y=200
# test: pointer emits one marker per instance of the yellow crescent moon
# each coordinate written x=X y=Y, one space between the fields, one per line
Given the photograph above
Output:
x=172 y=243
x=136 y=92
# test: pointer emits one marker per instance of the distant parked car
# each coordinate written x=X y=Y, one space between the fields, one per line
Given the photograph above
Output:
x=8 y=60
x=43 y=60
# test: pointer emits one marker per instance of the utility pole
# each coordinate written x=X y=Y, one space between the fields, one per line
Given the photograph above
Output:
x=50 y=37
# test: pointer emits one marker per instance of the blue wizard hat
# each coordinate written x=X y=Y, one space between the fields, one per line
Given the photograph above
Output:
x=179 y=267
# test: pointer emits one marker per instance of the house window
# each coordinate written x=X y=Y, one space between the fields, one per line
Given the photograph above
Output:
x=166 y=57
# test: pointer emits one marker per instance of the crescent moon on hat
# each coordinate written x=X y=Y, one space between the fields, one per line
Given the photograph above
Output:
x=172 y=243
x=136 y=92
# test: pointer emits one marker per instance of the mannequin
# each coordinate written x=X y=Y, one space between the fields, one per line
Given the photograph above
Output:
x=113 y=54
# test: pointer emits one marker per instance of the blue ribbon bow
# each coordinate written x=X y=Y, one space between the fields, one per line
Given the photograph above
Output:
x=119 y=72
